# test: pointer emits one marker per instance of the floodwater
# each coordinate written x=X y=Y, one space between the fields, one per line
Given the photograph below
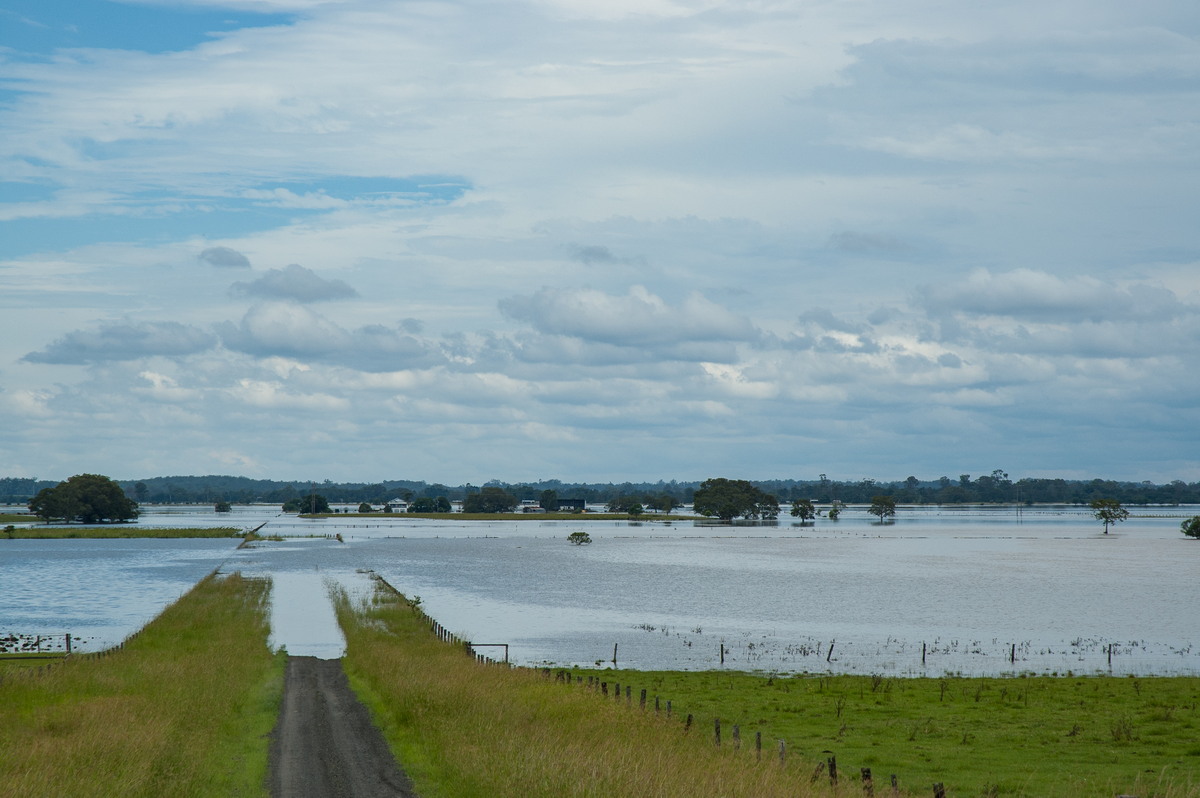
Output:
x=964 y=590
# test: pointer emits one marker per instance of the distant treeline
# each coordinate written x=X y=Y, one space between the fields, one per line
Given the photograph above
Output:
x=993 y=488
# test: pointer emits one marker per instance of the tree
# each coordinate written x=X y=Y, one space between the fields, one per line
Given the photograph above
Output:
x=1109 y=511
x=1191 y=527
x=87 y=498
x=835 y=509
x=882 y=506
x=549 y=501
x=223 y=507
x=309 y=504
x=490 y=499
x=579 y=538
x=141 y=491
x=428 y=504
x=636 y=509
x=364 y=507
x=804 y=510
x=730 y=498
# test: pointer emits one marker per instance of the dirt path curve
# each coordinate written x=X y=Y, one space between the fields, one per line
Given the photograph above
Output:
x=324 y=744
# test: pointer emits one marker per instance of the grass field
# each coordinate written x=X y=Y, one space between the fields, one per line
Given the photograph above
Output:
x=115 y=532
x=1020 y=736
x=183 y=709
x=15 y=518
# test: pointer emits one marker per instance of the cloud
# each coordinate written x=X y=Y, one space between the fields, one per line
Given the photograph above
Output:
x=284 y=329
x=1026 y=294
x=295 y=283
x=637 y=319
x=124 y=341
x=225 y=257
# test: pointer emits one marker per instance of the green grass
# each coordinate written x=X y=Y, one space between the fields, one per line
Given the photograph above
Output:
x=16 y=518
x=117 y=532
x=184 y=708
x=1019 y=736
x=462 y=729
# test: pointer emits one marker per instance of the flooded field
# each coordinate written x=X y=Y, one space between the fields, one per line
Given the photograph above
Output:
x=970 y=590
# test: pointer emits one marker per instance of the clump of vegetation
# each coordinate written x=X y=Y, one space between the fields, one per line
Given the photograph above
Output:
x=579 y=538
x=184 y=708
x=1191 y=527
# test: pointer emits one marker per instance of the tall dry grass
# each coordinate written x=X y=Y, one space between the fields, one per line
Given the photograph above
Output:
x=183 y=709
x=464 y=729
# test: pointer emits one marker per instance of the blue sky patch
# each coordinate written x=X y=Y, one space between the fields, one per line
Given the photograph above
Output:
x=40 y=27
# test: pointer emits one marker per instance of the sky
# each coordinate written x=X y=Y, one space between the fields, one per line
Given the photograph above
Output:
x=600 y=240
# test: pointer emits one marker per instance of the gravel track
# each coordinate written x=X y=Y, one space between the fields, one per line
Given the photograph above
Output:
x=324 y=744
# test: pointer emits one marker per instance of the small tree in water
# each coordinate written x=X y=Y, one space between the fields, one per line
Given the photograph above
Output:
x=1109 y=511
x=579 y=538
x=882 y=506
x=1190 y=527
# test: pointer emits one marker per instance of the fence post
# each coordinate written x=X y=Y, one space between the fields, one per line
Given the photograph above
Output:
x=737 y=738
x=895 y=786
x=687 y=726
x=642 y=702
x=939 y=791
x=868 y=783
x=782 y=752
x=833 y=770
x=758 y=745
x=68 y=642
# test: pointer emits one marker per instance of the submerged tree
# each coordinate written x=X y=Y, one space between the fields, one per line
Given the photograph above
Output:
x=882 y=506
x=804 y=510
x=1109 y=511
x=730 y=498
x=87 y=498
x=1191 y=527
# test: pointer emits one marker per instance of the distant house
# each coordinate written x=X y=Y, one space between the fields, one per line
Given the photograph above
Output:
x=398 y=506
x=530 y=506
x=570 y=505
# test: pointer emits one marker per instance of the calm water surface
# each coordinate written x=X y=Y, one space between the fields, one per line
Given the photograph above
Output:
x=964 y=585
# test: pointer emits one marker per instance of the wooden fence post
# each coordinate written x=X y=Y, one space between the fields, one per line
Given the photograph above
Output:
x=642 y=701
x=895 y=787
x=833 y=770
x=737 y=737
x=939 y=791
x=868 y=783
x=717 y=731
x=758 y=745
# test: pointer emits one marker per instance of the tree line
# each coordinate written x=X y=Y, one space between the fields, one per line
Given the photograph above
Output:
x=992 y=488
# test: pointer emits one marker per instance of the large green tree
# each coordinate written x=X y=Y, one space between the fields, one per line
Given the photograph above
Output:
x=430 y=504
x=87 y=498
x=733 y=498
x=1109 y=511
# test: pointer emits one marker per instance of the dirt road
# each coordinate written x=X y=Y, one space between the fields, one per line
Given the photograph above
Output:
x=324 y=744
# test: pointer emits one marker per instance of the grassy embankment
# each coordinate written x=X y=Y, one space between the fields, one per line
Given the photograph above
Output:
x=121 y=531
x=461 y=728
x=182 y=709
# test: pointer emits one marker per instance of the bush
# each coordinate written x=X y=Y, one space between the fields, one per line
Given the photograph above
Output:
x=1191 y=527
